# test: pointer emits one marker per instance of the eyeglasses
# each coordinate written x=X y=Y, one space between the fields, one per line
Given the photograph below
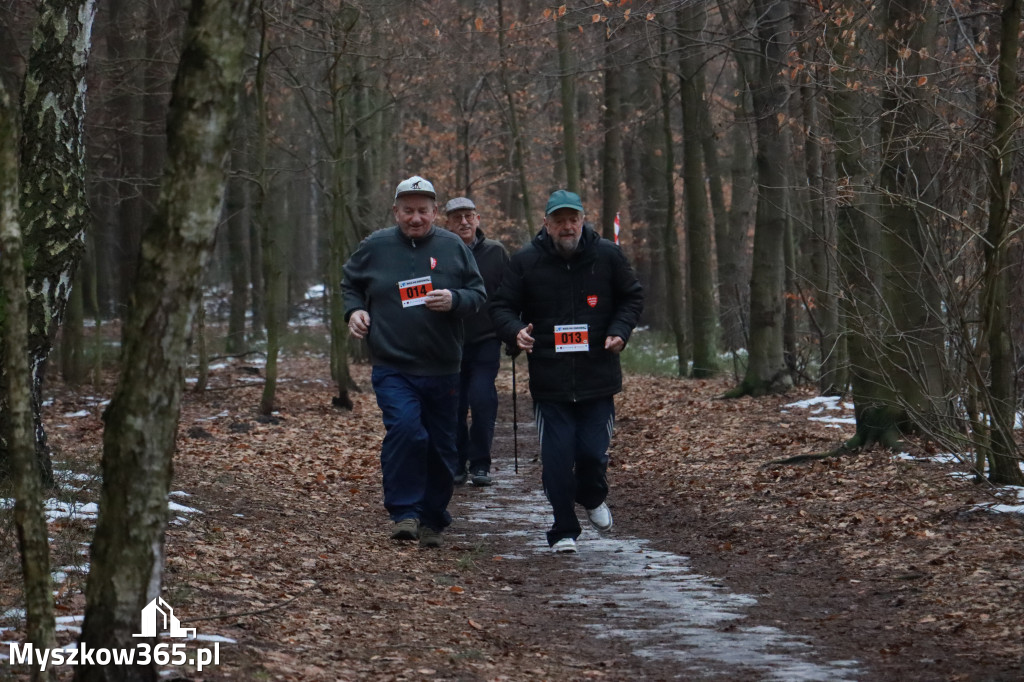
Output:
x=461 y=215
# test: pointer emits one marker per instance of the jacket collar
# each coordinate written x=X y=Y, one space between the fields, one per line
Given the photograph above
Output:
x=478 y=239
x=418 y=241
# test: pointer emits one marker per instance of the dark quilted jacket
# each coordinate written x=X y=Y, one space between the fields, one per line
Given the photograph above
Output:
x=596 y=287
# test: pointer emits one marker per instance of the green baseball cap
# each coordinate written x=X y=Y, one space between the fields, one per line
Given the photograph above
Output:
x=563 y=198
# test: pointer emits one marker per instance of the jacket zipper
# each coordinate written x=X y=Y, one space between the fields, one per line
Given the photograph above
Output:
x=572 y=309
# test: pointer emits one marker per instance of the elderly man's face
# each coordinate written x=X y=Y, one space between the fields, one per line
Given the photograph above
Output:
x=565 y=227
x=463 y=222
x=414 y=214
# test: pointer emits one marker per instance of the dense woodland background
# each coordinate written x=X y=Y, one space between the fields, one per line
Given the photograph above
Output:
x=831 y=187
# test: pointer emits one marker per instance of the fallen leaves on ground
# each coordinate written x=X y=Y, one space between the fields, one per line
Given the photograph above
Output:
x=871 y=557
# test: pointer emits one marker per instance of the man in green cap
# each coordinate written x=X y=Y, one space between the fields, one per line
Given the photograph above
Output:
x=571 y=300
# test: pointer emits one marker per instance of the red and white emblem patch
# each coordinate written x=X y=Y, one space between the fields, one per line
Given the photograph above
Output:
x=592 y=301
x=433 y=263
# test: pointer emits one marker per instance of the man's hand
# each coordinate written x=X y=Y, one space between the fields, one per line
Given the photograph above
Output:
x=439 y=300
x=614 y=343
x=359 y=324
x=524 y=340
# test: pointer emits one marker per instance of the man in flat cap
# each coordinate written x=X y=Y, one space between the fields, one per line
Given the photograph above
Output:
x=481 y=351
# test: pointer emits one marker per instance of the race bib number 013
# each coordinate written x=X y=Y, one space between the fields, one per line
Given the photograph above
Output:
x=414 y=291
x=571 y=338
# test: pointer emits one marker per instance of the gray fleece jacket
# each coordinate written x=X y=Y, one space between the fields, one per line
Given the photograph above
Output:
x=410 y=338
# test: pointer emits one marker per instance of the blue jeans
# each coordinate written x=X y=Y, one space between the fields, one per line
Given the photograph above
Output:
x=574 y=439
x=418 y=456
x=478 y=396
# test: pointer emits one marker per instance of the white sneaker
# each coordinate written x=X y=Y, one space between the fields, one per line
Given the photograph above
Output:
x=564 y=546
x=600 y=518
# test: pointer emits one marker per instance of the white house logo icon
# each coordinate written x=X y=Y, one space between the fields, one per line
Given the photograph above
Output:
x=157 y=617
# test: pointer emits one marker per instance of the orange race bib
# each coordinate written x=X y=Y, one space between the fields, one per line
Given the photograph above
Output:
x=571 y=338
x=414 y=291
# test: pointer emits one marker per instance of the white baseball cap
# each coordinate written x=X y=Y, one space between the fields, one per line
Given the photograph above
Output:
x=415 y=185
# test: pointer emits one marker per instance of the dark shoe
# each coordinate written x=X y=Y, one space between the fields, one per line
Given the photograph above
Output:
x=481 y=478
x=429 y=537
x=461 y=478
x=406 y=529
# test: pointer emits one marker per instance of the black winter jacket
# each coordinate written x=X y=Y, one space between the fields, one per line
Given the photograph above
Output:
x=491 y=259
x=596 y=287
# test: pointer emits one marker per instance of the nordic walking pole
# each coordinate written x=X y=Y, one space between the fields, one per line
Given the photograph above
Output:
x=515 y=419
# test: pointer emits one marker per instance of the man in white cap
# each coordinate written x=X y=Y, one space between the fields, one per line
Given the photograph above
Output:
x=481 y=351
x=407 y=289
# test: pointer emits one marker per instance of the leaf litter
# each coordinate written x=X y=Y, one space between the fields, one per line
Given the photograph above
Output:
x=876 y=557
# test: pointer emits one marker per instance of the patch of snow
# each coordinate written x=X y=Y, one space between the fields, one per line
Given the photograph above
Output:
x=76 y=415
x=180 y=508
x=835 y=420
x=70 y=623
x=818 y=400
x=213 y=638
x=55 y=509
x=225 y=413
x=68 y=475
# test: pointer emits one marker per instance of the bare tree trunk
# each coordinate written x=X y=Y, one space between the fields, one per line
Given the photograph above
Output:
x=567 y=76
x=1002 y=453
x=200 y=346
x=91 y=259
x=790 y=352
x=236 y=218
x=670 y=238
x=647 y=194
x=913 y=334
x=273 y=276
x=824 y=311
x=53 y=206
x=72 y=362
x=16 y=389
x=141 y=422
x=858 y=243
x=766 y=370
x=519 y=149
x=341 y=236
x=611 y=119
x=731 y=244
x=703 y=316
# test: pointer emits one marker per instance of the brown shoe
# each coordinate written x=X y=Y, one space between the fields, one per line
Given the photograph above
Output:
x=406 y=529
x=429 y=537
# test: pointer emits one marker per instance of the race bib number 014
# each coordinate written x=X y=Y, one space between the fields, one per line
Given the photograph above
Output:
x=414 y=291
x=571 y=338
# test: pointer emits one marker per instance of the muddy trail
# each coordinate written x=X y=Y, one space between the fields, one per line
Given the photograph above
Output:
x=875 y=567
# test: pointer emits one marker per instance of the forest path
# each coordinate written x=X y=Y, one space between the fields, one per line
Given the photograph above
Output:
x=681 y=624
